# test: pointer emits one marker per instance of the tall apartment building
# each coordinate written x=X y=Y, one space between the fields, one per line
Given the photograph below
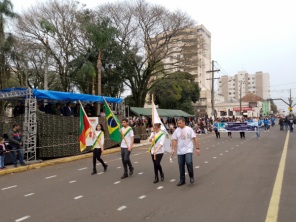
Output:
x=191 y=52
x=244 y=83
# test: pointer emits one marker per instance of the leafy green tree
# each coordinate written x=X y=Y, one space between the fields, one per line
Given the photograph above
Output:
x=6 y=10
x=176 y=91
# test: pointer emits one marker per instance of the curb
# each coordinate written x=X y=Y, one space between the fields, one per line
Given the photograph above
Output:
x=61 y=160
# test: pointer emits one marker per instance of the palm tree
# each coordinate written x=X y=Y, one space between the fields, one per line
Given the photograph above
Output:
x=6 y=10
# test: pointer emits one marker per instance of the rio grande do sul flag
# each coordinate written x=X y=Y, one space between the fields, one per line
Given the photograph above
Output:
x=83 y=129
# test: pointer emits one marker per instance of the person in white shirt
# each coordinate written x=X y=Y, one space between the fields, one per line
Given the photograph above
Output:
x=183 y=138
x=98 y=147
x=127 y=143
x=157 y=139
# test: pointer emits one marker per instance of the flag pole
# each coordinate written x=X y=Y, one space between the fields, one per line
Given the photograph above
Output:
x=153 y=142
x=89 y=121
x=116 y=122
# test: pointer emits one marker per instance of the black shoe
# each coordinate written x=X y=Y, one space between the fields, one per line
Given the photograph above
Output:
x=162 y=177
x=124 y=176
x=105 y=168
x=94 y=172
x=23 y=164
x=156 y=180
x=131 y=171
x=191 y=180
x=181 y=183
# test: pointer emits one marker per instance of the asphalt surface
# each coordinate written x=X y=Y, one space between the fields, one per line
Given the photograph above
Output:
x=234 y=182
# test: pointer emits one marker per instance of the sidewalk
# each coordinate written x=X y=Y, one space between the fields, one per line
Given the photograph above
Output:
x=11 y=169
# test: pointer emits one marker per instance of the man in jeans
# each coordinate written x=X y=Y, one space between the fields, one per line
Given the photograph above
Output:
x=126 y=145
x=184 y=137
x=15 y=142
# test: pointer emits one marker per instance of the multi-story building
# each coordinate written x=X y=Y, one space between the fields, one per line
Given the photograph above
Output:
x=243 y=83
x=191 y=52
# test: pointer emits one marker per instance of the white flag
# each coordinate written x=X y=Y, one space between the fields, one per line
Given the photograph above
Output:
x=155 y=117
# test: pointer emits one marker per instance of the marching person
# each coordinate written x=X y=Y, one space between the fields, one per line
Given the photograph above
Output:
x=126 y=145
x=216 y=129
x=15 y=142
x=98 y=147
x=184 y=137
x=157 y=139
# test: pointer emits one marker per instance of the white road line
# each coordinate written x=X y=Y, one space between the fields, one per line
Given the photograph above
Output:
x=136 y=162
x=186 y=173
x=117 y=182
x=226 y=151
x=232 y=148
x=84 y=168
x=237 y=145
x=206 y=162
x=78 y=197
x=196 y=167
x=73 y=181
x=213 y=145
x=23 y=218
x=207 y=148
x=142 y=197
x=136 y=154
x=121 y=208
x=100 y=173
x=118 y=167
x=221 y=154
x=29 y=194
x=50 y=177
x=140 y=173
x=172 y=180
x=6 y=188
x=214 y=157
x=159 y=188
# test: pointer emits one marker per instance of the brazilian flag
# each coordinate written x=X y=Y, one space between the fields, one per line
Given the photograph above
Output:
x=113 y=124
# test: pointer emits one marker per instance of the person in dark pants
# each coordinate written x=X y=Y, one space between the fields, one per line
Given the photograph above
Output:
x=242 y=135
x=98 y=147
x=15 y=142
x=216 y=126
x=126 y=145
x=184 y=137
x=157 y=139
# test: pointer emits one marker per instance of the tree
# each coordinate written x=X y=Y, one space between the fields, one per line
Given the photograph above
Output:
x=273 y=107
x=177 y=91
x=148 y=34
x=65 y=43
x=6 y=10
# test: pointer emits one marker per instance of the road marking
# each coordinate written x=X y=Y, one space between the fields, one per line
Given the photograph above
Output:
x=232 y=148
x=117 y=182
x=140 y=173
x=73 y=181
x=159 y=188
x=136 y=154
x=172 y=180
x=142 y=197
x=207 y=148
x=226 y=151
x=50 y=177
x=136 y=162
x=206 y=162
x=274 y=203
x=84 y=168
x=78 y=197
x=6 y=188
x=121 y=208
x=196 y=167
x=214 y=157
x=100 y=173
x=237 y=145
x=29 y=194
x=213 y=145
x=221 y=154
x=118 y=167
x=23 y=218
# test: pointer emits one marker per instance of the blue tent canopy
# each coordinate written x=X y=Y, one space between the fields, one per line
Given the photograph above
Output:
x=56 y=95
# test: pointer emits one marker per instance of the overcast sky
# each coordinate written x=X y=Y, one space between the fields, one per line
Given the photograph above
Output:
x=253 y=35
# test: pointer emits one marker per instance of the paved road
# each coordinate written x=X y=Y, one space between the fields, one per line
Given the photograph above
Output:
x=234 y=183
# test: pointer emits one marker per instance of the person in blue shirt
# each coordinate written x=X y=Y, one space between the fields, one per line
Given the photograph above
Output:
x=265 y=124
x=260 y=125
x=216 y=126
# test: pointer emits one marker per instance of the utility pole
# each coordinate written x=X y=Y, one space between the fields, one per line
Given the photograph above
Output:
x=240 y=98
x=212 y=91
x=290 y=103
